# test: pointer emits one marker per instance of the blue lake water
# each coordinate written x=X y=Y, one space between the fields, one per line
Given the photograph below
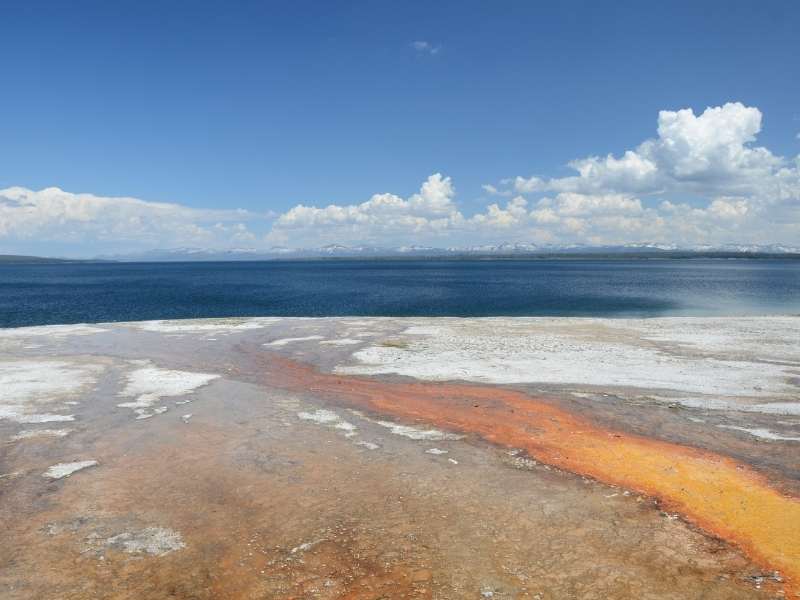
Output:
x=75 y=293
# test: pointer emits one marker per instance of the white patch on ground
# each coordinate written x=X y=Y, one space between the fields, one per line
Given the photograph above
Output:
x=348 y=428
x=141 y=402
x=35 y=433
x=66 y=469
x=414 y=433
x=50 y=331
x=321 y=416
x=149 y=384
x=729 y=357
x=341 y=342
x=367 y=323
x=768 y=338
x=522 y=462
x=27 y=381
x=777 y=408
x=155 y=541
x=185 y=418
x=423 y=330
x=27 y=386
x=17 y=414
x=453 y=460
x=205 y=325
x=305 y=546
x=767 y=408
x=368 y=445
x=144 y=413
x=762 y=433
x=156 y=382
x=285 y=341
x=329 y=419
x=435 y=451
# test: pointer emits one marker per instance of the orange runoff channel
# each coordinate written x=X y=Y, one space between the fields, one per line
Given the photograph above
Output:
x=716 y=493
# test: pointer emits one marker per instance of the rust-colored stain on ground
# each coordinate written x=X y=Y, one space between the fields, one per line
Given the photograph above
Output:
x=716 y=493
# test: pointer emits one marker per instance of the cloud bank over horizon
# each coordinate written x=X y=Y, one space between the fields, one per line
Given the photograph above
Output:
x=701 y=180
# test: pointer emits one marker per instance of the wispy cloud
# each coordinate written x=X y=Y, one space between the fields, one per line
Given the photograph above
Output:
x=423 y=47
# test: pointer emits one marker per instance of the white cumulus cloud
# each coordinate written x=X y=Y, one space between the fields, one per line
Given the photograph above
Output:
x=53 y=215
x=710 y=153
x=383 y=216
x=701 y=180
x=739 y=191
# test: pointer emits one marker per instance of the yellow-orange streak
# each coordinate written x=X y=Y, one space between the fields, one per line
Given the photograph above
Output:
x=715 y=492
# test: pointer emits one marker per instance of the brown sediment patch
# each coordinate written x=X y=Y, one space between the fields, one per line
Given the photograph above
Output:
x=234 y=519
x=270 y=510
x=718 y=494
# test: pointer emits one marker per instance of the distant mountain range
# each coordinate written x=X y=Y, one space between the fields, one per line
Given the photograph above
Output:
x=19 y=259
x=520 y=249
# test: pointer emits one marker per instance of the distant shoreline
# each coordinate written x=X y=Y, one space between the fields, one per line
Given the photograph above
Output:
x=621 y=256
x=14 y=259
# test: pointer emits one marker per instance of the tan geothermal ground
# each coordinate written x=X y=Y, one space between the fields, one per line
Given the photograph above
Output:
x=401 y=458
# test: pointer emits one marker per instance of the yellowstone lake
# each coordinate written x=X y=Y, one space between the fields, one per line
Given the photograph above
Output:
x=100 y=292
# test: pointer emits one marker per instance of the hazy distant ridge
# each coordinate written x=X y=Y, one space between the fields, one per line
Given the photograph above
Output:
x=18 y=259
x=505 y=249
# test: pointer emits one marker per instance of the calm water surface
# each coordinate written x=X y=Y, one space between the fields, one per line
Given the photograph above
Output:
x=76 y=293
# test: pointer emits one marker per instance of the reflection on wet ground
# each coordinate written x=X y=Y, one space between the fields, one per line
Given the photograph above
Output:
x=266 y=475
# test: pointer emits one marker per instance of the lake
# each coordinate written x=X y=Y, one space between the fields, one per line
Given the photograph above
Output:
x=98 y=292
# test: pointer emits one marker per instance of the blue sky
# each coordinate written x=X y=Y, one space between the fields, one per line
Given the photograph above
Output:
x=265 y=106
